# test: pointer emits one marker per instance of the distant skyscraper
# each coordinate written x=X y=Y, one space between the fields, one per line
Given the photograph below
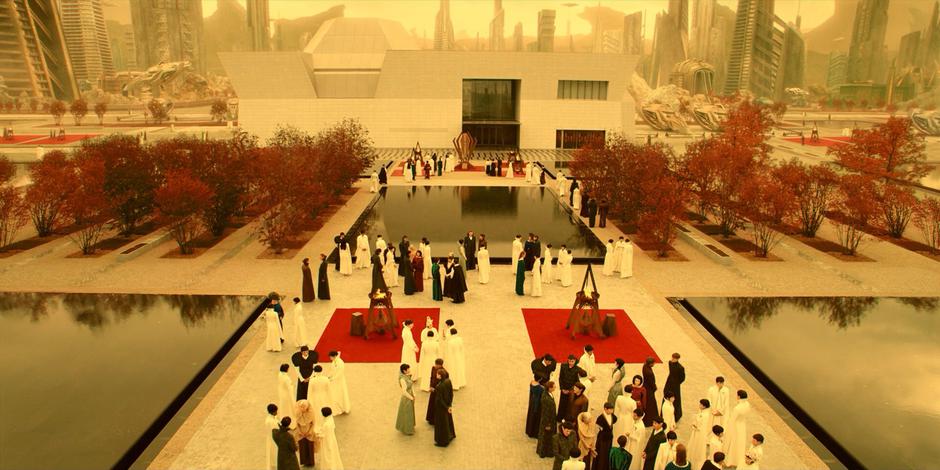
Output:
x=497 y=40
x=123 y=48
x=633 y=34
x=670 y=41
x=258 y=25
x=792 y=64
x=518 y=40
x=546 y=38
x=86 y=36
x=867 y=50
x=703 y=19
x=712 y=29
x=168 y=31
x=755 y=50
x=612 y=42
x=928 y=51
x=33 y=55
x=907 y=51
x=443 y=28
x=835 y=74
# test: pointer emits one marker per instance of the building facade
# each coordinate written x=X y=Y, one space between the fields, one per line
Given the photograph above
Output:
x=755 y=50
x=86 y=36
x=168 y=31
x=867 y=49
x=504 y=99
x=34 y=58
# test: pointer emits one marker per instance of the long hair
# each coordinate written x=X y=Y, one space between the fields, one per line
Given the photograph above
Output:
x=681 y=459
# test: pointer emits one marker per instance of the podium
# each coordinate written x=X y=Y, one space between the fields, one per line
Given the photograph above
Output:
x=585 y=316
x=381 y=315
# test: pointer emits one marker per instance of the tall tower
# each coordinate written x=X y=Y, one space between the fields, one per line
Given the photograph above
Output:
x=546 y=31
x=35 y=58
x=633 y=34
x=670 y=41
x=790 y=70
x=518 y=40
x=86 y=36
x=703 y=20
x=258 y=25
x=168 y=31
x=866 y=52
x=443 y=28
x=497 y=40
x=928 y=51
x=755 y=49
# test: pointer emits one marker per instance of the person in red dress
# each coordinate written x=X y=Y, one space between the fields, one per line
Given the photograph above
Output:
x=417 y=265
x=638 y=393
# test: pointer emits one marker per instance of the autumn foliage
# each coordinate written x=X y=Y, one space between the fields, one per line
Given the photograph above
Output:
x=181 y=202
x=79 y=109
x=13 y=210
x=57 y=109
x=53 y=178
x=927 y=219
x=87 y=205
x=814 y=189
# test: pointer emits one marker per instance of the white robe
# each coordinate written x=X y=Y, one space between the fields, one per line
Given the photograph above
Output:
x=409 y=351
x=426 y=254
x=587 y=362
x=345 y=261
x=576 y=203
x=528 y=172
x=456 y=362
x=483 y=265
x=618 y=253
x=720 y=401
x=430 y=352
x=636 y=444
x=547 y=265
x=318 y=394
x=286 y=395
x=609 y=260
x=339 y=392
x=756 y=453
x=623 y=408
x=380 y=244
x=666 y=454
x=327 y=456
x=626 y=261
x=363 y=260
x=698 y=439
x=374 y=182
x=390 y=270
x=669 y=415
x=300 y=325
x=514 y=258
x=565 y=268
x=536 y=278
x=736 y=433
x=272 y=339
x=450 y=163
x=562 y=185
x=509 y=170
x=715 y=444
x=270 y=423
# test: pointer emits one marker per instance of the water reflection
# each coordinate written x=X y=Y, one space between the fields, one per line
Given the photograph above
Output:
x=842 y=312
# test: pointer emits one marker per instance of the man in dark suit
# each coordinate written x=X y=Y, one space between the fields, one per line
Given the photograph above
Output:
x=544 y=366
x=470 y=246
x=714 y=463
x=652 y=445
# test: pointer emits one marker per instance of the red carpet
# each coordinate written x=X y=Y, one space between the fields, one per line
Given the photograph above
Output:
x=400 y=171
x=822 y=142
x=547 y=334
x=18 y=138
x=378 y=348
x=66 y=139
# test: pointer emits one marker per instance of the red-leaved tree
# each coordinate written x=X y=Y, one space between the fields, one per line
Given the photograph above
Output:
x=855 y=202
x=53 y=178
x=814 y=187
x=664 y=203
x=13 y=212
x=79 y=109
x=927 y=219
x=87 y=204
x=181 y=202
x=57 y=109
x=101 y=108
x=767 y=203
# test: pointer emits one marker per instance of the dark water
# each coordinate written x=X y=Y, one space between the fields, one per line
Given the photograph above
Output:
x=866 y=369
x=83 y=375
x=444 y=214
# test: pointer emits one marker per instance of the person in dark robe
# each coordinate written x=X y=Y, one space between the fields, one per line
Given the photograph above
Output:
x=544 y=366
x=563 y=443
x=605 y=437
x=529 y=249
x=592 y=212
x=537 y=249
x=438 y=366
x=304 y=361
x=620 y=459
x=437 y=292
x=577 y=403
x=542 y=178
x=448 y=266
x=547 y=422
x=520 y=274
x=378 y=280
x=459 y=283
x=323 y=283
x=714 y=462
x=652 y=446
x=286 y=446
x=569 y=375
x=403 y=255
x=417 y=271
x=585 y=196
x=338 y=240
x=649 y=383
x=440 y=166
x=571 y=187
x=408 y=273
x=673 y=383
x=443 y=410
x=470 y=245
x=383 y=175
x=602 y=209
x=307 y=285
x=534 y=412
x=499 y=166
x=426 y=170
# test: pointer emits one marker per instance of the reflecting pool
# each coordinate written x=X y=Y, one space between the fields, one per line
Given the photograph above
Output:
x=865 y=369
x=82 y=376
x=444 y=214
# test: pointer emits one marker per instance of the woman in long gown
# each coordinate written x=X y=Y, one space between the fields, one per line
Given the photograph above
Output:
x=391 y=269
x=443 y=415
x=436 y=291
x=649 y=383
x=617 y=375
x=587 y=439
x=328 y=454
x=272 y=339
x=323 y=282
x=566 y=267
x=308 y=294
x=270 y=424
x=638 y=392
x=417 y=267
x=537 y=277
x=626 y=260
x=406 y=406
x=637 y=440
x=459 y=280
x=576 y=201
x=305 y=432
x=623 y=408
x=483 y=264
x=701 y=427
x=520 y=274
x=534 y=412
x=547 y=264
x=426 y=254
x=408 y=274
x=286 y=446
x=345 y=258
x=286 y=395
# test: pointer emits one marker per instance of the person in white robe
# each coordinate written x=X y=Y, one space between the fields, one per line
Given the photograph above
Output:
x=623 y=409
x=345 y=259
x=626 y=260
x=528 y=172
x=668 y=412
x=286 y=393
x=445 y=336
x=483 y=264
x=318 y=392
x=547 y=264
x=720 y=398
x=272 y=339
x=698 y=439
x=300 y=323
x=451 y=162
x=715 y=442
x=339 y=392
x=618 y=253
x=509 y=169
x=637 y=439
x=564 y=266
x=562 y=186
x=374 y=182
x=609 y=258
x=327 y=455
x=428 y=328
x=363 y=260
x=589 y=365
x=409 y=349
x=576 y=202
x=736 y=431
x=516 y=249
x=380 y=243
x=270 y=423
x=430 y=352
x=390 y=268
x=666 y=452
x=755 y=454
x=536 y=277
x=426 y=255
x=456 y=361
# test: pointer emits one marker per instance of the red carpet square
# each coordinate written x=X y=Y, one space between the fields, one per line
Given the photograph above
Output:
x=18 y=139
x=66 y=139
x=822 y=142
x=547 y=334
x=378 y=348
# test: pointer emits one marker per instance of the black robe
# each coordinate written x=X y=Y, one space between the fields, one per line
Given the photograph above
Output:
x=323 y=283
x=429 y=414
x=652 y=448
x=574 y=184
x=585 y=198
x=337 y=240
x=306 y=370
x=534 y=413
x=605 y=440
x=567 y=377
x=542 y=370
x=408 y=273
x=652 y=406
x=592 y=212
x=443 y=419
x=458 y=285
x=403 y=257
x=286 y=449
x=383 y=176
x=499 y=167
x=547 y=425
x=378 y=280
x=529 y=248
x=470 y=246
x=307 y=285
x=602 y=209
x=673 y=383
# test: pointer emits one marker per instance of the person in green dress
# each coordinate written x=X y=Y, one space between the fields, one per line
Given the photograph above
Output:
x=619 y=457
x=437 y=293
x=547 y=423
x=617 y=388
x=520 y=274
x=286 y=446
x=406 y=407
x=562 y=444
